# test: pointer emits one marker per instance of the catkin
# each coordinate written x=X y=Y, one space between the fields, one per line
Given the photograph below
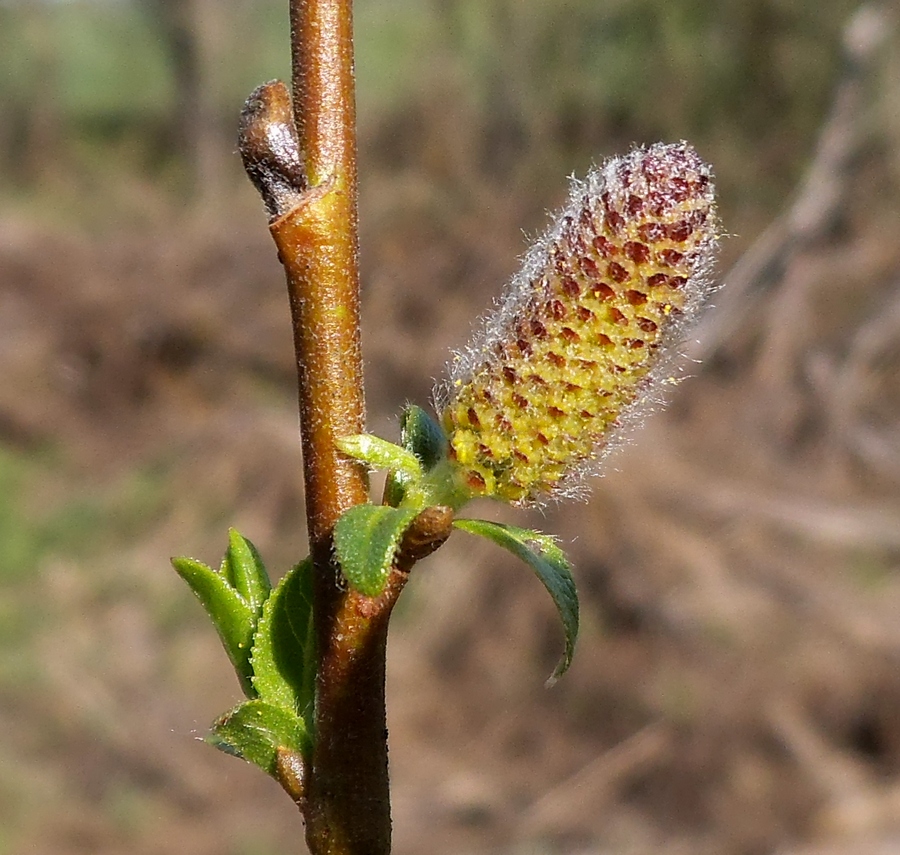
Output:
x=581 y=336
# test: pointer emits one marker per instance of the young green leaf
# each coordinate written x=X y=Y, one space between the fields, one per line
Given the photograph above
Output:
x=550 y=564
x=232 y=617
x=366 y=538
x=395 y=488
x=283 y=658
x=423 y=436
x=245 y=571
x=256 y=730
x=380 y=454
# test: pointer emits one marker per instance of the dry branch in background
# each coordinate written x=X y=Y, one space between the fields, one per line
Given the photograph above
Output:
x=820 y=200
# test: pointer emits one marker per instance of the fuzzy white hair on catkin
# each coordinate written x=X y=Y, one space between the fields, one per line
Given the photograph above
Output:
x=663 y=162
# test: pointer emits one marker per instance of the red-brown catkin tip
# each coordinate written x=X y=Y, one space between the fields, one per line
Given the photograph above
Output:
x=587 y=331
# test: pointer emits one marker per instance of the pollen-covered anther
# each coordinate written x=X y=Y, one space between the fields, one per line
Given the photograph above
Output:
x=616 y=272
x=637 y=252
x=556 y=309
x=604 y=246
x=476 y=481
x=603 y=291
x=582 y=332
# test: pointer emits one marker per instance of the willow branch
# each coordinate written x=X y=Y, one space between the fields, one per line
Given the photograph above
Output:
x=301 y=154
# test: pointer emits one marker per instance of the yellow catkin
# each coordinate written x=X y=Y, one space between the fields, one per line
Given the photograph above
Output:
x=580 y=337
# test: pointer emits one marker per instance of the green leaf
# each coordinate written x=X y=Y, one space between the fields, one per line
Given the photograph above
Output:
x=380 y=454
x=423 y=436
x=366 y=538
x=245 y=571
x=549 y=562
x=284 y=653
x=233 y=619
x=395 y=488
x=256 y=730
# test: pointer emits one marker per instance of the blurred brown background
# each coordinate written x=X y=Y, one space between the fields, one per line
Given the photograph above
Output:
x=737 y=686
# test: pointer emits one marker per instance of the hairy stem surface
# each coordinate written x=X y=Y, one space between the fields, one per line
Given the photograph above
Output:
x=300 y=153
x=347 y=806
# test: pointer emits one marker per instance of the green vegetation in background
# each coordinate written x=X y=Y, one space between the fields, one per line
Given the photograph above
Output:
x=18 y=546
x=746 y=82
x=109 y=59
x=80 y=527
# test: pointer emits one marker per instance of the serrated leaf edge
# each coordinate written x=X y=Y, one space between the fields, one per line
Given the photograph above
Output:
x=343 y=551
x=302 y=695
x=238 y=649
x=218 y=740
x=245 y=571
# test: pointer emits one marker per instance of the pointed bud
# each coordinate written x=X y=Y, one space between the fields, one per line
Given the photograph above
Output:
x=585 y=331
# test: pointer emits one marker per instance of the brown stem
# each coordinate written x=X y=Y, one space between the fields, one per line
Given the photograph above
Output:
x=306 y=172
x=346 y=805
